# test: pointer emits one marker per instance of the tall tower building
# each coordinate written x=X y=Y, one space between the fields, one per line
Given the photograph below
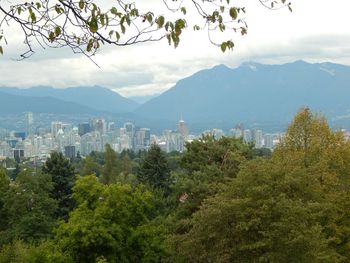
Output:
x=29 y=120
x=55 y=127
x=182 y=128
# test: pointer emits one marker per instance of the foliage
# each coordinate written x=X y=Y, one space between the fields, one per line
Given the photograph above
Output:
x=86 y=25
x=90 y=167
x=154 y=169
x=22 y=252
x=208 y=164
x=290 y=208
x=28 y=209
x=63 y=177
x=110 y=168
x=226 y=153
x=110 y=221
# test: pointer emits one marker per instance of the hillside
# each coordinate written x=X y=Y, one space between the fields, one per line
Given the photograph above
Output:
x=95 y=97
x=254 y=94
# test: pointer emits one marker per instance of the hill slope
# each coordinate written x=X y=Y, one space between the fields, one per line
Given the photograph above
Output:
x=254 y=93
x=95 y=97
x=15 y=104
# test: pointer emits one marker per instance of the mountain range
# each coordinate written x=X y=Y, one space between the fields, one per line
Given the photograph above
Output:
x=93 y=97
x=254 y=94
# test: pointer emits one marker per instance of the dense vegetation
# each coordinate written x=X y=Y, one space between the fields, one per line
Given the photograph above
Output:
x=220 y=201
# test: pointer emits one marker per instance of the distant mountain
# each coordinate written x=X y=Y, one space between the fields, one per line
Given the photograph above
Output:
x=95 y=97
x=254 y=94
x=16 y=104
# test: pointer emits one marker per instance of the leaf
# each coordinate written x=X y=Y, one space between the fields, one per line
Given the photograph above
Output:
x=52 y=36
x=233 y=13
x=38 y=5
x=89 y=45
x=223 y=46
x=183 y=10
x=93 y=25
x=81 y=4
x=19 y=10
x=1 y=50
x=57 y=31
x=117 y=36
x=122 y=27
x=160 y=21
x=114 y=11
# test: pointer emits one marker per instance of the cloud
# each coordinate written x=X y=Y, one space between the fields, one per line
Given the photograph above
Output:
x=151 y=68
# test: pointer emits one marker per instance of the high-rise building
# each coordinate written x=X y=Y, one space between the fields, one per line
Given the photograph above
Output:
x=83 y=128
x=99 y=125
x=258 y=138
x=29 y=120
x=182 y=128
x=247 y=136
x=55 y=127
x=268 y=141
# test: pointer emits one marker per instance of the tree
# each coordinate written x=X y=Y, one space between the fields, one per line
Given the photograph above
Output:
x=154 y=169
x=28 y=209
x=293 y=207
x=90 y=167
x=63 y=178
x=111 y=222
x=86 y=25
x=110 y=168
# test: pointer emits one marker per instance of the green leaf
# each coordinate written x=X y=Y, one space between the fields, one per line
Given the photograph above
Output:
x=38 y=5
x=1 y=50
x=102 y=20
x=160 y=21
x=117 y=36
x=122 y=27
x=57 y=31
x=81 y=4
x=89 y=45
x=52 y=36
x=19 y=10
x=223 y=46
x=233 y=13
x=183 y=10
x=114 y=11
x=93 y=25
x=58 y=9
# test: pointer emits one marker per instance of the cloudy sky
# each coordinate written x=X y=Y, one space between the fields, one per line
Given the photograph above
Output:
x=316 y=31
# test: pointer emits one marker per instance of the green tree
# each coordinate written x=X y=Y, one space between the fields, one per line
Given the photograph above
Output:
x=4 y=186
x=154 y=169
x=110 y=169
x=113 y=222
x=90 y=167
x=226 y=154
x=85 y=26
x=266 y=214
x=208 y=165
x=28 y=208
x=63 y=178
x=293 y=207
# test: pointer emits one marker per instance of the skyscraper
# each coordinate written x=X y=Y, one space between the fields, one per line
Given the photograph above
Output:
x=182 y=128
x=29 y=119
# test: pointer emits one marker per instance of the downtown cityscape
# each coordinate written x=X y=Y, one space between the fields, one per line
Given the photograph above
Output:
x=86 y=137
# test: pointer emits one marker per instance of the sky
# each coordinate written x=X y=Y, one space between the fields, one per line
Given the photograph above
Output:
x=316 y=31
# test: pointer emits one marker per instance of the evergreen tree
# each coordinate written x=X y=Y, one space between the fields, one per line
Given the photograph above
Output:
x=154 y=169
x=63 y=178
x=110 y=168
